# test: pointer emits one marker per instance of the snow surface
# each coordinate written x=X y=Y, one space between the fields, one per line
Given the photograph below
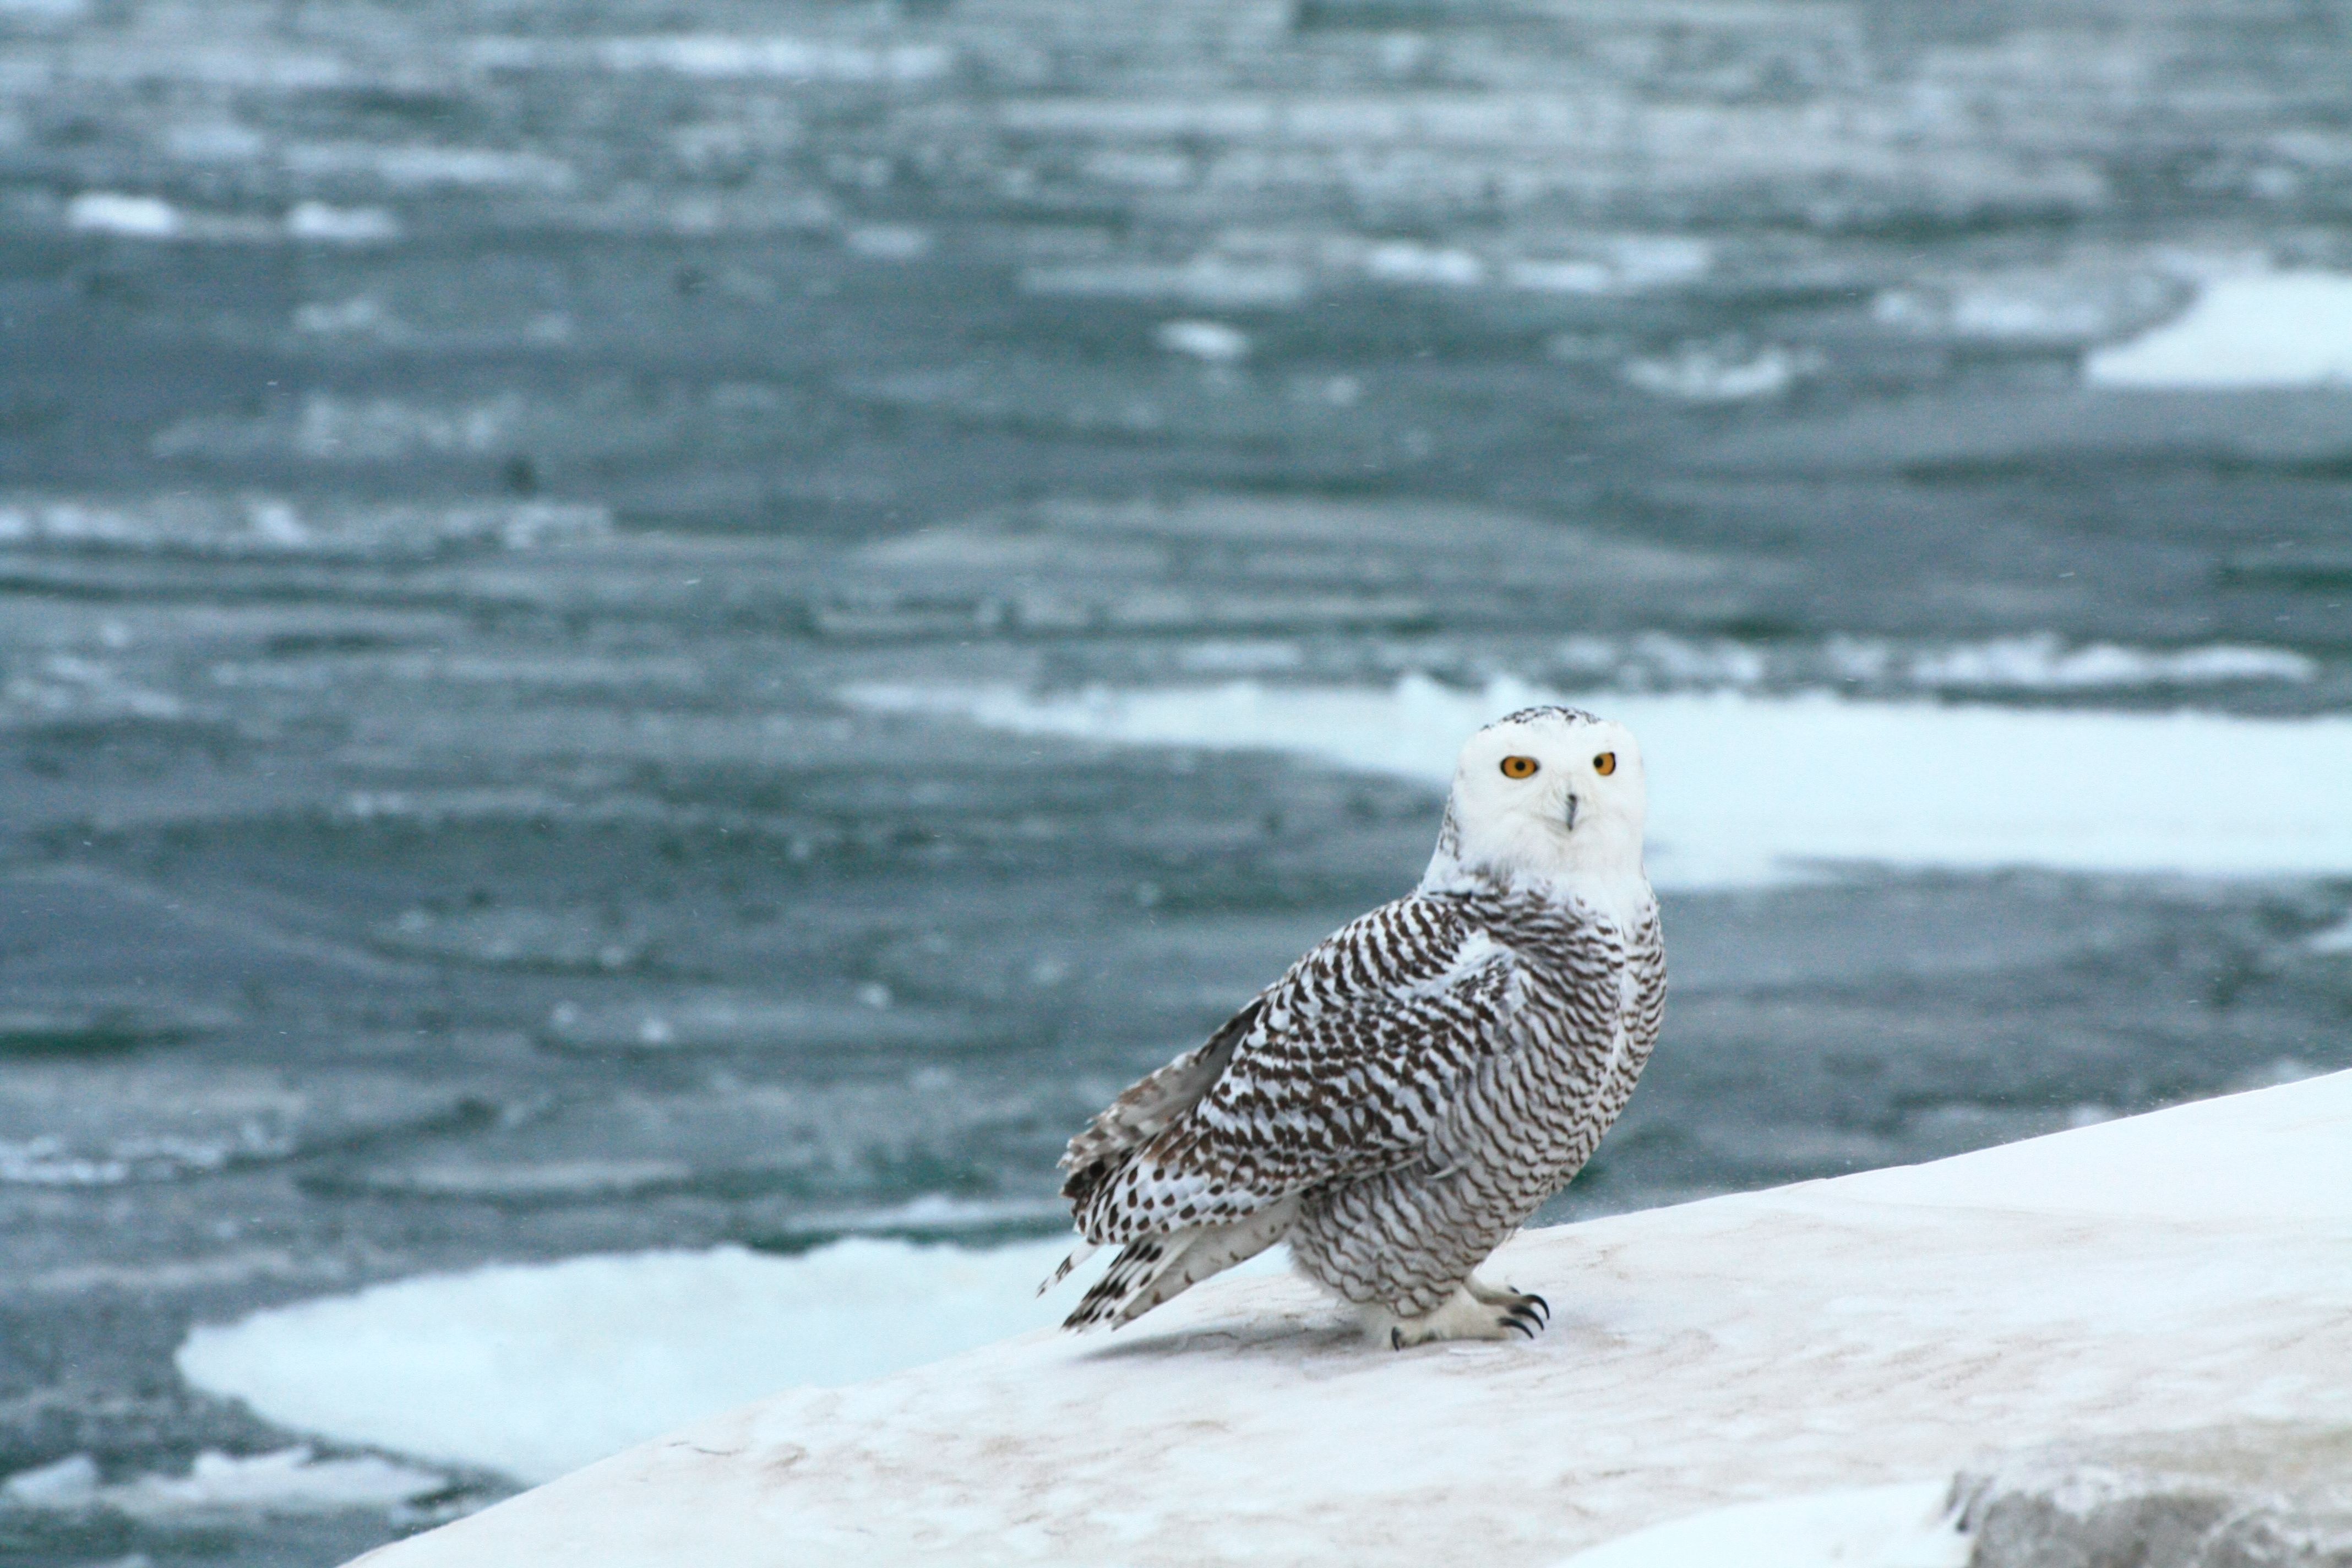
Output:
x=1907 y=1525
x=2261 y=329
x=1748 y=789
x=1802 y=1348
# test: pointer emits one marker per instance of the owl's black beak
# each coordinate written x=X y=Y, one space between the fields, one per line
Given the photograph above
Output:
x=1571 y=814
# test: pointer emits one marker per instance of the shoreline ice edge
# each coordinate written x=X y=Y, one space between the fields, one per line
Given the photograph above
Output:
x=2172 y=1271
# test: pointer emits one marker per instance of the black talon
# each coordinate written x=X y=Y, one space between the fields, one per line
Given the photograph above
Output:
x=1396 y=1339
x=1541 y=1305
x=1520 y=1325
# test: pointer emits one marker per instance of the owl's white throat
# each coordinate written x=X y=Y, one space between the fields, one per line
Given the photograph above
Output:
x=1589 y=856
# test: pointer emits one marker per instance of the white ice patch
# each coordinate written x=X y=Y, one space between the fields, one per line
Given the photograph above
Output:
x=1212 y=343
x=1722 y=373
x=2262 y=329
x=288 y=1482
x=319 y=224
x=719 y=56
x=2036 y=661
x=1748 y=789
x=130 y=216
x=535 y=1370
x=2042 y=662
x=1902 y=1526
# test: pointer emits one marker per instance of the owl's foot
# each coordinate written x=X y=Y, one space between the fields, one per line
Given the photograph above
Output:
x=1463 y=1317
x=1513 y=1297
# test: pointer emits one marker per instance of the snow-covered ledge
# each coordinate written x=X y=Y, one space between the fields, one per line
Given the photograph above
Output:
x=2174 y=1270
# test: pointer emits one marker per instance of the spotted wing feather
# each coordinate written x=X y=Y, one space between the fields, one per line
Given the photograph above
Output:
x=1341 y=1069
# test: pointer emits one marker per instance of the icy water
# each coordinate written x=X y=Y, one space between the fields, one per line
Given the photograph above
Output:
x=631 y=627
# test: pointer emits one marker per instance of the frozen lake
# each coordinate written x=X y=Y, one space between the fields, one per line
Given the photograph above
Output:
x=683 y=633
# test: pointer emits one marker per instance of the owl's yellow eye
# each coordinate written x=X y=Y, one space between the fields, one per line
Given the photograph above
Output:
x=1605 y=764
x=1518 y=767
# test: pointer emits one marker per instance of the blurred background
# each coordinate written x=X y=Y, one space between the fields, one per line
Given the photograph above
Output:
x=644 y=647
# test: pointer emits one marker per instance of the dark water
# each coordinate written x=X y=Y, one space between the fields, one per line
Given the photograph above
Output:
x=453 y=456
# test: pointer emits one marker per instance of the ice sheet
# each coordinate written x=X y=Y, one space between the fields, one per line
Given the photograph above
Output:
x=2259 y=329
x=290 y=1480
x=536 y=1369
x=1748 y=789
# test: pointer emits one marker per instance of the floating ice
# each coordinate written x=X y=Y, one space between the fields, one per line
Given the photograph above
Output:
x=290 y=1480
x=2033 y=308
x=1748 y=789
x=320 y=224
x=1625 y=264
x=1213 y=342
x=2262 y=329
x=722 y=57
x=888 y=242
x=1206 y=282
x=1400 y=261
x=1718 y=372
x=2044 y=662
x=537 y=1370
x=429 y=167
x=133 y=217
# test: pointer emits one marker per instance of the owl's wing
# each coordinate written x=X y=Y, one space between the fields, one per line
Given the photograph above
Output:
x=1341 y=1069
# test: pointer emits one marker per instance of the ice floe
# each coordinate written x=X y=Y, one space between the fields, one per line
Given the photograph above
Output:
x=290 y=1480
x=2044 y=662
x=131 y=217
x=1722 y=373
x=1748 y=789
x=321 y=224
x=1211 y=342
x=535 y=1370
x=2252 y=330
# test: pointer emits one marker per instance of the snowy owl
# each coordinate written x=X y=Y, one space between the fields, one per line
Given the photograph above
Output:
x=1397 y=1104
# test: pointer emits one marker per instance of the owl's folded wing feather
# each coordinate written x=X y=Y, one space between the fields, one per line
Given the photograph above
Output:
x=1341 y=1069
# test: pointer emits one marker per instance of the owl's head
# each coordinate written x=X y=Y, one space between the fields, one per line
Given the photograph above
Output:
x=1548 y=792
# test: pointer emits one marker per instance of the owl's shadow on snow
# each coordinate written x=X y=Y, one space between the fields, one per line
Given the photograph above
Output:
x=1288 y=1336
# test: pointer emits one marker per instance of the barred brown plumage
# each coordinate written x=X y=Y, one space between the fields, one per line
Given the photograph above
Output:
x=1405 y=1095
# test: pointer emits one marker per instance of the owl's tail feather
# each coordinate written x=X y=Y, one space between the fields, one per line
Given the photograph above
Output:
x=1078 y=1255
x=1157 y=1268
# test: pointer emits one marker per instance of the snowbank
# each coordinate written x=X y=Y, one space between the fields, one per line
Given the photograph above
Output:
x=1747 y=789
x=1805 y=1349
x=2261 y=329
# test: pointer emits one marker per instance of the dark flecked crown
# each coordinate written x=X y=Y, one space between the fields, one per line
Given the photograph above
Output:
x=1575 y=715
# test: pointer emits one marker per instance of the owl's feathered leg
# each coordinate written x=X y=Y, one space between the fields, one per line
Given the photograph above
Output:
x=1461 y=1316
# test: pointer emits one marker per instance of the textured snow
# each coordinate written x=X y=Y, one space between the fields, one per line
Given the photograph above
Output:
x=2261 y=329
x=1907 y=1525
x=1748 y=789
x=2187 y=1267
